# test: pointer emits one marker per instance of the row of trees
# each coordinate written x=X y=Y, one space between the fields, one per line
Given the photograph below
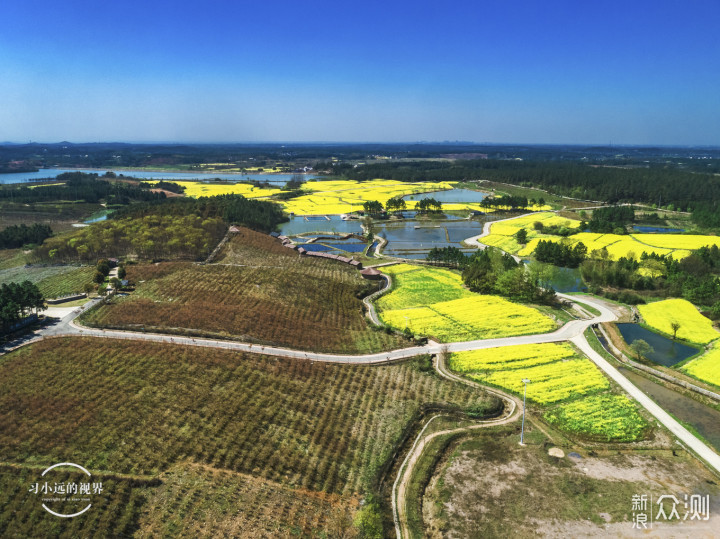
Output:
x=511 y=202
x=16 y=236
x=17 y=301
x=428 y=205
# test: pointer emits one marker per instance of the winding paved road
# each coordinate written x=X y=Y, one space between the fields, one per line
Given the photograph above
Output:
x=572 y=331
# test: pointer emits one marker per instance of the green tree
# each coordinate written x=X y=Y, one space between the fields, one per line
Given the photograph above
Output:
x=675 y=327
x=373 y=207
x=521 y=236
x=641 y=348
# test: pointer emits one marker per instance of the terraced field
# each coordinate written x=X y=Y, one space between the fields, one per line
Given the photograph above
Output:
x=432 y=302
x=258 y=292
x=694 y=327
x=574 y=393
x=216 y=442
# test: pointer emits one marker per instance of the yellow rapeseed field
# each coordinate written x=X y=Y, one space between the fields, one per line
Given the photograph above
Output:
x=618 y=245
x=509 y=357
x=706 y=367
x=433 y=302
x=556 y=372
x=694 y=327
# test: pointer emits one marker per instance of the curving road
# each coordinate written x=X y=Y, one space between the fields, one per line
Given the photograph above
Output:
x=572 y=331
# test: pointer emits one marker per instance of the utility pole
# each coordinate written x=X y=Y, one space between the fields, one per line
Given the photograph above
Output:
x=522 y=431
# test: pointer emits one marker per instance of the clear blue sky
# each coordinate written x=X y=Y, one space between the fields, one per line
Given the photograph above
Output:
x=630 y=72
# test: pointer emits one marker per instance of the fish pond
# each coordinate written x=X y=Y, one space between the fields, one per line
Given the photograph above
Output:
x=665 y=351
x=414 y=239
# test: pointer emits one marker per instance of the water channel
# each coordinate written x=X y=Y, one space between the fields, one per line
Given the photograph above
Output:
x=702 y=418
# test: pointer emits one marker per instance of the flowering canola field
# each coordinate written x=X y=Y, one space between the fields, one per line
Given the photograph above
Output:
x=502 y=233
x=432 y=302
x=605 y=417
x=618 y=245
x=694 y=327
x=706 y=367
x=574 y=392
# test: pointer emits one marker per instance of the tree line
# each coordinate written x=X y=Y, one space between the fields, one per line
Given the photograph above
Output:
x=79 y=186
x=17 y=301
x=658 y=184
x=232 y=208
x=16 y=236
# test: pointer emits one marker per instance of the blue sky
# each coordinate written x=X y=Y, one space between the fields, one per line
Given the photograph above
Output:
x=631 y=72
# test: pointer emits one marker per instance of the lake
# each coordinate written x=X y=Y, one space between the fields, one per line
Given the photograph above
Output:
x=24 y=177
x=665 y=351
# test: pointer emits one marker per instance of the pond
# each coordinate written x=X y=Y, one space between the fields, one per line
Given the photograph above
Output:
x=275 y=179
x=657 y=229
x=98 y=216
x=702 y=418
x=665 y=351
x=566 y=280
x=451 y=195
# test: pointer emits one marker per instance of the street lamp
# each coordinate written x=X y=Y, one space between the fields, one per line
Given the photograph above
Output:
x=522 y=431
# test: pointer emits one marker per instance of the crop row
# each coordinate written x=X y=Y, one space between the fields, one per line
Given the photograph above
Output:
x=551 y=382
x=140 y=408
x=114 y=513
x=274 y=297
x=53 y=281
x=199 y=501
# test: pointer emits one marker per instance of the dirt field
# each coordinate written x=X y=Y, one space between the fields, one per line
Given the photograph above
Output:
x=489 y=485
